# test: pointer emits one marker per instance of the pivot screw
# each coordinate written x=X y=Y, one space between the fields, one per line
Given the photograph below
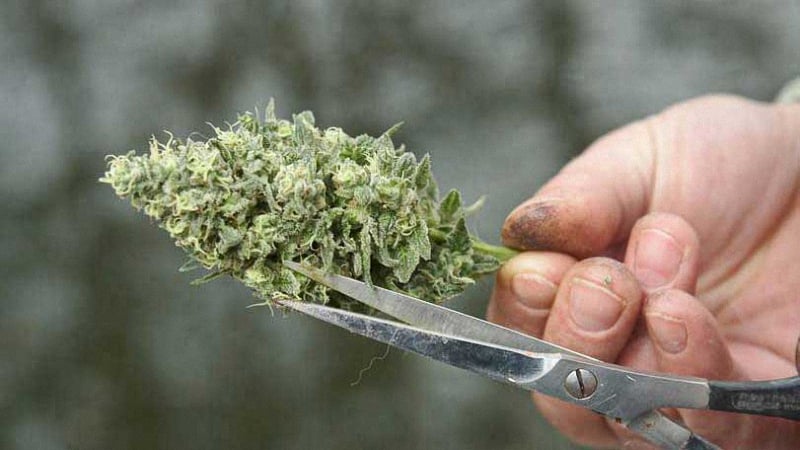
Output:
x=580 y=383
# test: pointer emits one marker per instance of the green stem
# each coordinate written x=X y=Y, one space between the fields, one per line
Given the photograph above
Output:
x=437 y=235
x=502 y=254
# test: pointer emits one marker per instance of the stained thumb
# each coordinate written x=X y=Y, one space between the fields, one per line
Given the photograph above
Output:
x=592 y=204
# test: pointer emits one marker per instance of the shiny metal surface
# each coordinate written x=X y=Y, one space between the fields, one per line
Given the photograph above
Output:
x=657 y=429
x=580 y=383
x=619 y=393
x=667 y=434
x=500 y=364
x=622 y=393
x=429 y=316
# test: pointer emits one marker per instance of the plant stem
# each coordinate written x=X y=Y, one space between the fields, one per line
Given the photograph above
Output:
x=500 y=252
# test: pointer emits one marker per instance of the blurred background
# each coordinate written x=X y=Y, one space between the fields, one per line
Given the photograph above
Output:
x=104 y=344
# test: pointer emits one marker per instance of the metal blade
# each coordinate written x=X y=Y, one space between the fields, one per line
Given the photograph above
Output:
x=498 y=363
x=657 y=428
x=430 y=316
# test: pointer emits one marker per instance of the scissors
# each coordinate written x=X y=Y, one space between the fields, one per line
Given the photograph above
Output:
x=627 y=396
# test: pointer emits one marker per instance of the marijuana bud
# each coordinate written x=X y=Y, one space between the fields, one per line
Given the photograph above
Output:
x=261 y=192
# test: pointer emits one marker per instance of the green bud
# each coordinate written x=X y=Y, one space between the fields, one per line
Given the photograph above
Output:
x=265 y=191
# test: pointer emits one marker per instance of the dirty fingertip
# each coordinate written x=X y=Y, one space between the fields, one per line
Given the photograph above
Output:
x=553 y=224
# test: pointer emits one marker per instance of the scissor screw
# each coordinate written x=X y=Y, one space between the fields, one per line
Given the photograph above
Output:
x=580 y=383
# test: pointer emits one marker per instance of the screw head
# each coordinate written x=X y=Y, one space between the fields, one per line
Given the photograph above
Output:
x=580 y=383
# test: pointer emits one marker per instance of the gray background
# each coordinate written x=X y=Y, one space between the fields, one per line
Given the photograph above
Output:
x=103 y=344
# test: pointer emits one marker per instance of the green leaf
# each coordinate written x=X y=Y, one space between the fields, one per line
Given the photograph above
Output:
x=423 y=176
x=366 y=251
x=229 y=237
x=407 y=262
x=393 y=129
x=421 y=241
x=475 y=207
x=450 y=208
x=205 y=279
x=189 y=265
x=270 y=111
x=459 y=240
x=304 y=127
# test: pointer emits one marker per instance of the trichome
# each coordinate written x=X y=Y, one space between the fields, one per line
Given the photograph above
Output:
x=263 y=191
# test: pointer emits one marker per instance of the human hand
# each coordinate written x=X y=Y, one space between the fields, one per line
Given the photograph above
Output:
x=701 y=205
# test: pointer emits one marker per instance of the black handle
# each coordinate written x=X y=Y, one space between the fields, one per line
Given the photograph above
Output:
x=697 y=443
x=779 y=398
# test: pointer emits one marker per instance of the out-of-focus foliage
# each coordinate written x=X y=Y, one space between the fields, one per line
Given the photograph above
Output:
x=263 y=192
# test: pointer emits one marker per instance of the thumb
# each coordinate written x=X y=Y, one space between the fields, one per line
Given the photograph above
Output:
x=593 y=202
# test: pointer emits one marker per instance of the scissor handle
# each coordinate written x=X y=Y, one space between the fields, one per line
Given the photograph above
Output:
x=778 y=398
x=698 y=443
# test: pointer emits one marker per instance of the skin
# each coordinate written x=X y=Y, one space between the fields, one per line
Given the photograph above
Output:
x=669 y=245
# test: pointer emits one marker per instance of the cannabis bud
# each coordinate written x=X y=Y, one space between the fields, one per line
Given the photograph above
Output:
x=266 y=191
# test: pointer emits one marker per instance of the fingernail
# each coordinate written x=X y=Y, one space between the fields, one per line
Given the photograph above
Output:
x=593 y=307
x=668 y=332
x=533 y=290
x=657 y=259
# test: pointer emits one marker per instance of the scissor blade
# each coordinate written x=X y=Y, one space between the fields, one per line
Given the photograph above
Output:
x=541 y=372
x=498 y=363
x=428 y=315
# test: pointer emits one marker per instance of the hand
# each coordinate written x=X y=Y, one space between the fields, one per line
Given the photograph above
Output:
x=701 y=205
